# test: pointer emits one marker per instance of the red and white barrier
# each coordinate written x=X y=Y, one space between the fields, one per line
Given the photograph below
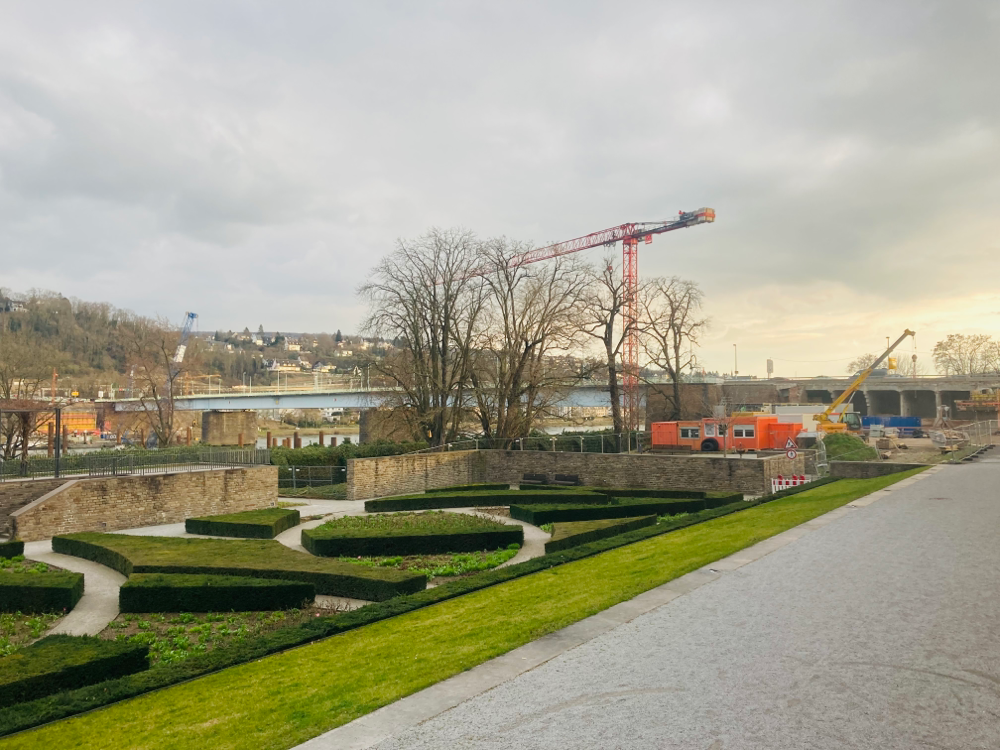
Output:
x=783 y=483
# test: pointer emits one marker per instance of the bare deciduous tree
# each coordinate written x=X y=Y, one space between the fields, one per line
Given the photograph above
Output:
x=149 y=346
x=670 y=327
x=961 y=354
x=859 y=363
x=25 y=366
x=422 y=297
x=603 y=318
x=531 y=314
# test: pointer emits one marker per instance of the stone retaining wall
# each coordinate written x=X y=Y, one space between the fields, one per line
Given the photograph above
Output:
x=114 y=503
x=398 y=475
x=412 y=472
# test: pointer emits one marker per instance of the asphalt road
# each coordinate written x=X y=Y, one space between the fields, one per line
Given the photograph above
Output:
x=878 y=630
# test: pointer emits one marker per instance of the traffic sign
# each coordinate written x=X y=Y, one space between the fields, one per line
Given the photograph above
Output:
x=790 y=445
x=791 y=454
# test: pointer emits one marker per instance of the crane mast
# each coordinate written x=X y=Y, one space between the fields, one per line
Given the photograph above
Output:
x=629 y=235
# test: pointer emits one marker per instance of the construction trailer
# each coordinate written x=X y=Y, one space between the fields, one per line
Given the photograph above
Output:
x=740 y=433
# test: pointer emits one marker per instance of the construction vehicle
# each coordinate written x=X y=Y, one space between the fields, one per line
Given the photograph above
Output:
x=831 y=421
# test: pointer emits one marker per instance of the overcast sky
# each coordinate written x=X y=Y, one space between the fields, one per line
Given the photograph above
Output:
x=251 y=161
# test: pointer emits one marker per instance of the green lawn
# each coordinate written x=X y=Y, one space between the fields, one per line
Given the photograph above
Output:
x=285 y=699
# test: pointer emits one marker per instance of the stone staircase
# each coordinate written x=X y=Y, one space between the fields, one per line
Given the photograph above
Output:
x=14 y=495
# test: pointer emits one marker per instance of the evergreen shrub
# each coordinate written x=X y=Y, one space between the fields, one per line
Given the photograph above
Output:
x=29 y=593
x=11 y=549
x=64 y=662
x=265 y=523
x=179 y=592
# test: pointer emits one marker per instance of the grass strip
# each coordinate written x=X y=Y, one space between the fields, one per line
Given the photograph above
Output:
x=278 y=702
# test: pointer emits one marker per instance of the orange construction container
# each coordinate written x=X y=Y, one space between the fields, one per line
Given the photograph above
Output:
x=750 y=433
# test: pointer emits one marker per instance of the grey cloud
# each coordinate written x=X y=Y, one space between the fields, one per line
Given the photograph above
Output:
x=268 y=154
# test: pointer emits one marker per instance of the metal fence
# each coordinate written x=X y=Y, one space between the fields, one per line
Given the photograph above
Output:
x=625 y=442
x=132 y=462
x=297 y=477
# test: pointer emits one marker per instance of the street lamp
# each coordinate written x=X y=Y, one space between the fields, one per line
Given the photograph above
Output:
x=736 y=369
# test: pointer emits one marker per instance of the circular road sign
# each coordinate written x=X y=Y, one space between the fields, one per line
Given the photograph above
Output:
x=791 y=454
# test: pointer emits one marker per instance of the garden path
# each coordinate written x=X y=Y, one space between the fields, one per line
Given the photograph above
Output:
x=99 y=604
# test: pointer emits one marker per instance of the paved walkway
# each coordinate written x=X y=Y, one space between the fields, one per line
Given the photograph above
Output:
x=99 y=604
x=876 y=628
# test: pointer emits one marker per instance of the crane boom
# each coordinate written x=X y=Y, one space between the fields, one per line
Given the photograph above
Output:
x=635 y=230
x=825 y=417
x=189 y=318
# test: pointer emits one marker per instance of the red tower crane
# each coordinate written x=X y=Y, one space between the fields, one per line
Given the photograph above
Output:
x=629 y=235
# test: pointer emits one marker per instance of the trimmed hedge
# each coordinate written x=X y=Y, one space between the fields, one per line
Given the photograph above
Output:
x=65 y=662
x=573 y=534
x=469 y=488
x=178 y=592
x=431 y=501
x=40 y=592
x=622 y=491
x=11 y=549
x=266 y=523
x=334 y=543
x=624 y=508
x=19 y=718
x=251 y=558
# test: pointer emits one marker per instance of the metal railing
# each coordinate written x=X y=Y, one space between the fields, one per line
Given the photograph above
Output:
x=297 y=477
x=133 y=462
x=624 y=442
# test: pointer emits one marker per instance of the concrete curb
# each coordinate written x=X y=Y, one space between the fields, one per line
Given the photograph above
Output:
x=371 y=729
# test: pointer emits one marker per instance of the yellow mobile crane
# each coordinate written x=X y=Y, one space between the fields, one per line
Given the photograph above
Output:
x=829 y=421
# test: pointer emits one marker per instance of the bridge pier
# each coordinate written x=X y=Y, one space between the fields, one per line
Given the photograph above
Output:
x=225 y=427
x=884 y=403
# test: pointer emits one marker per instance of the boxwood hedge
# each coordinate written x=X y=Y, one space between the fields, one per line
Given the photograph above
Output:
x=623 y=508
x=266 y=523
x=54 y=591
x=11 y=549
x=575 y=533
x=180 y=592
x=334 y=543
x=64 y=662
x=469 y=488
x=19 y=718
x=430 y=501
x=252 y=558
